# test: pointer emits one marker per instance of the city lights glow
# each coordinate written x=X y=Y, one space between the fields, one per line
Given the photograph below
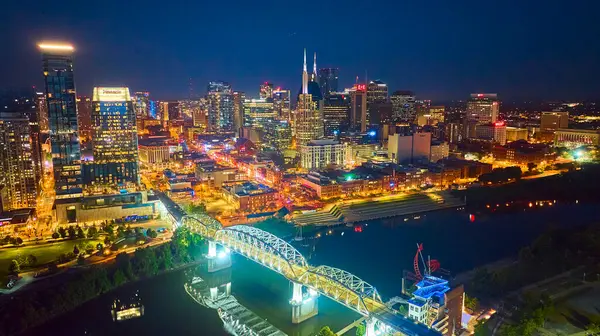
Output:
x=48 y=46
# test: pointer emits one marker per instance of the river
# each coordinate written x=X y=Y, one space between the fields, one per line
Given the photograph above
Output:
x=376 y=251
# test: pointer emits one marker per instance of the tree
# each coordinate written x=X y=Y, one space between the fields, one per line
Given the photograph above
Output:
x=75 y=250
x=472 y=303
x=107 y=241
x=326 y=331
x=55 y=235
x=361 y=330
x=62 y=232
x=119 y=278
x=80 y=233
x=91 y=232
x=31 y=260
x=18 y=241
x=99 y=247
x=531 y=166
x=72 y=233
x=14 y=267
x=403 y=310
x=481 y=328
x=593 y=328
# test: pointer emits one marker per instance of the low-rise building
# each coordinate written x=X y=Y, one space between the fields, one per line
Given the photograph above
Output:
x=523 y=152
x=469 y=169
x=249 y=196
x=514 y=134
x=324 y=186
x=576 y=137
x=439 y=151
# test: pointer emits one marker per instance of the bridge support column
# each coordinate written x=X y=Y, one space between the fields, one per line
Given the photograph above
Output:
x=304 y=305
x=217 y=260
x=370 y=328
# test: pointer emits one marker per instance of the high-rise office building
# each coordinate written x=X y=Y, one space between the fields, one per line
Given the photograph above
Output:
x=24 y=103
x=84 y=117
x=336 y=113
x=495 y=132
x=163 y=111
x=266 y=90
x=328 y=80
x=19 y=183
x=114 y=138
x=277 y=134
x=257 y=112
x=483 y=108
x=57 y=60
x=551 y=121
x=406 y=149
x=377 y=94
x=174 y=110
x=281 y=104
x=141 y=103
x=220 y=107
x=42 y=110
x=238 y=110
x=319 y=154
x=358 y=110
x=309 y=117
x=312 y=86
x=403 y=106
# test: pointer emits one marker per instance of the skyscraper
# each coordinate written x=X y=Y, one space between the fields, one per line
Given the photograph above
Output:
x=281 y=103
x=266 y=90
x=483 y=108
x=403 y=106
x=238 y=110
x=257 y=112
x=220 y=107
x=114 y=138
x=309 y=117
x=141 y=102
x=336 y=113
x=328 y=80
x=57 y=66
x=18 y=179
x=358 y=111
x=84 y=117
x=551 y=121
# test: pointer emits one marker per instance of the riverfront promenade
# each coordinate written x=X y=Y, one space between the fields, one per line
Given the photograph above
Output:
x=384 y=207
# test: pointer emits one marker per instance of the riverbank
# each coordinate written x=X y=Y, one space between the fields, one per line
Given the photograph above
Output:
x=34 y=307
x=383 y=207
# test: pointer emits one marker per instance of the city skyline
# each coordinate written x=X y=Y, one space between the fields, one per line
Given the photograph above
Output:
x=439 y=61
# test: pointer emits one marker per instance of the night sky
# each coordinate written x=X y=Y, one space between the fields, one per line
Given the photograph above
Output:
x=440 y=49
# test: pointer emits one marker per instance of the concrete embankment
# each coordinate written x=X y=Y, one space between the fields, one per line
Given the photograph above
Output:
x=381 y=208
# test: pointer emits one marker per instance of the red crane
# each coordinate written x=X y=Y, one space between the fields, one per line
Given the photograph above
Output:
x=430 y=267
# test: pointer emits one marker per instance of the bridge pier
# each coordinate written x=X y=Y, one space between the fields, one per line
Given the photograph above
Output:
x=304 y=306
x=217 y=260
x=370 y=328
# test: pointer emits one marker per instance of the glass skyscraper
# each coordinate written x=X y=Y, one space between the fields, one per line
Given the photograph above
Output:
x=328 y=80
x=114 y=139
x=220 y=107
x=57 y=60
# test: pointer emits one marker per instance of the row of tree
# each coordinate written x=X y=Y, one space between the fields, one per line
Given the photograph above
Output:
x=501 y=175
x=33 y=307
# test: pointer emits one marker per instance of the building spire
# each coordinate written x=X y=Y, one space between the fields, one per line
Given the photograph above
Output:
x=304 y=76
x=315 y=67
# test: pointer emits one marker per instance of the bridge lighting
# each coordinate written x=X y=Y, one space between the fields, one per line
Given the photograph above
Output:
x=222 y=255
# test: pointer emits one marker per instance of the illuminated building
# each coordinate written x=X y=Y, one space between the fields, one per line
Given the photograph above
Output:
x=257 y=112
x=495 y=132
x=422 y=107
x=551 y=121
x=174 y=111
x=436 y=305
x=238 y=110
x=277 y=134
x=320 y=154
x=522 y=152
x=154 y=153
x=24 y=103
x=57 y=60
x=141 y=103
x=403 y=106
x=514 y=134
x=220 y=107
x=114 y=138
x=377 y=94
x=405 y=149
x=358 y=109
x=42 y=110
x=336 y=113
x=328 y=80
x=312 y=84
x=309 y=117
x=250 y=197
x=84 y=116
x=281 y=104
x=429 y=115
x=18 y=179
x=266 y=90
x=163 y=108
x=439 y=151
x=483 y=108
x=575 y=137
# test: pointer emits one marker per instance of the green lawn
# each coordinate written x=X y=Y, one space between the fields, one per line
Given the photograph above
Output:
x=44 y=253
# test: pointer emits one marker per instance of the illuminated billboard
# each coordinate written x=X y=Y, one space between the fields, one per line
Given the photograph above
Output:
x=111 y=94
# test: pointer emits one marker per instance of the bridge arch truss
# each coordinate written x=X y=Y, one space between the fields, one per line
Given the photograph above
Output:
x=264 y=248
x=343 y=287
